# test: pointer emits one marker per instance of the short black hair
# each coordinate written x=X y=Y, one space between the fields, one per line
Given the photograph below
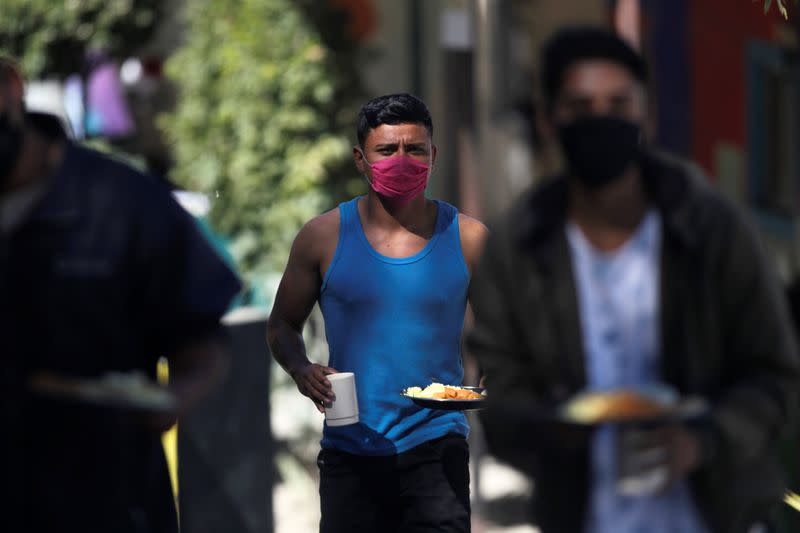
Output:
x=580 y=43
x=397 y=108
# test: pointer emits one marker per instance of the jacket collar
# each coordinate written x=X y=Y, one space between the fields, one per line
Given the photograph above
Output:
x=675 y=190
x=671 y=185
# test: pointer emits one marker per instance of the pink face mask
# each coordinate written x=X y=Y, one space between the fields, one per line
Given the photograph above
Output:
x=399 y=178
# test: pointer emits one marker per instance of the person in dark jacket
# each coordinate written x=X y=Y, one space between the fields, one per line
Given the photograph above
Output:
x=101 y=274
x=630 y=271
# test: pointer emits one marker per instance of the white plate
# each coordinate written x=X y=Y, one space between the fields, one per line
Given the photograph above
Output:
x=675 y=408
x=122 y=390
x=450 y=405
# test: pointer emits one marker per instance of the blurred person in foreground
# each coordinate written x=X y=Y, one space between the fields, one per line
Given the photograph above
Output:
x=629 y=270
x=391 y=272
x=100 y=271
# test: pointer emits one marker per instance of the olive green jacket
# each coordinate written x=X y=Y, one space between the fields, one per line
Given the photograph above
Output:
x=725 y=335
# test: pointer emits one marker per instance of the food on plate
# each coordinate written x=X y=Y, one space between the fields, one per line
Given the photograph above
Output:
x=443 y=392
x=594 y=407
x=431 y=390
x=414 y=392
x=457 y=393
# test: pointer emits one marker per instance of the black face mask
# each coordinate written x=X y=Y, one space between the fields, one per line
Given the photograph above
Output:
x=600 y=149
x=10 y=147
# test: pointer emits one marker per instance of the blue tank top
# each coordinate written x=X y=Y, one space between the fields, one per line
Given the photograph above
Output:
x=395 y=323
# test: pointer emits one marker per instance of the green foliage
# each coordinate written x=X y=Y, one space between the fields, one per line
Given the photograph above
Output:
x=264 y=120
x=50 y=37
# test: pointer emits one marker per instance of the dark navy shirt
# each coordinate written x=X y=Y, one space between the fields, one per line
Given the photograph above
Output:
x=107 y=273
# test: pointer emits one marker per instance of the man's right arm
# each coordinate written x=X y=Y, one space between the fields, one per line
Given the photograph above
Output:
x=496 y=345
x=762 y=370
x=297 y=294
x=515 y=433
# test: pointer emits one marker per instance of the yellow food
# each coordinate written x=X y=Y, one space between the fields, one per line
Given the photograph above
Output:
x=443 y=392
x=457 y=393
x=611 y=406
x=431 y=390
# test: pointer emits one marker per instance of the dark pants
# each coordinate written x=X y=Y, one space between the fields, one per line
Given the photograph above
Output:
x=422 y=490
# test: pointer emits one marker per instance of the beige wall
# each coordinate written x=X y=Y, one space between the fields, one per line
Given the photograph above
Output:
x=387 y=68
x=543 y=17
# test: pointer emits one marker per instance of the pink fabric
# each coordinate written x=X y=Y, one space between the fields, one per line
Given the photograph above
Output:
x=107 y=110
x=399 y=178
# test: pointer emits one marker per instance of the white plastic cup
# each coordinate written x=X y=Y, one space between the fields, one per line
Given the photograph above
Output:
x=344 y=410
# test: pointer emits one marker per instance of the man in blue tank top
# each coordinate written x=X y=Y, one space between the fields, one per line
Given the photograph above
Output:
x=391 y=273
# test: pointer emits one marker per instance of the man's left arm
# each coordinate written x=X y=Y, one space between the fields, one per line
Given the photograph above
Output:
x=757 y=399
x=762 y=366
x=196 y=368
x=185 y=289
x=473 y=236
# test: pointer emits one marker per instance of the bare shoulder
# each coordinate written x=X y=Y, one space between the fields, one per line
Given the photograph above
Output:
x=472 y=227
x=316 y=241
x=473 y=236
x=473 y=231
x=320 y=228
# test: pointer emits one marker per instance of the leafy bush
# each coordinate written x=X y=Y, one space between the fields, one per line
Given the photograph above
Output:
x=264 y=119
x=51 y=38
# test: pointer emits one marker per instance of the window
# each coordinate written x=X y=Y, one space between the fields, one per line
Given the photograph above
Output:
x=774 y=130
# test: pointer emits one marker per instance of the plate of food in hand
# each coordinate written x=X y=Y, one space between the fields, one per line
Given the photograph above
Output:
x=656 y=404
x=131 y=390
x=447 y=397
